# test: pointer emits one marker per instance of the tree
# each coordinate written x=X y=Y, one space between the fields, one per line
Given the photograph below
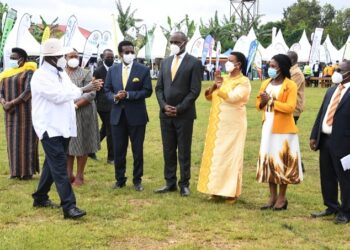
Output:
x=222 y=31
x=126 y=19
x=37 y=30
x=264 y=32
x=189 y=24
x=327 y=15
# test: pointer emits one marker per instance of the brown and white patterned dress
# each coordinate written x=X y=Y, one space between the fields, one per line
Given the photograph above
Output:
x=88 y=137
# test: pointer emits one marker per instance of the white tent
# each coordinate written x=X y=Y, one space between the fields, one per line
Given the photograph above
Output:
x=342 y=50
x=159 y=43
x=195 y=44
x=302 y=48
x=142 y=52
x=21 y=37
x=278 y=46
x=331 y=50
x=78 y=41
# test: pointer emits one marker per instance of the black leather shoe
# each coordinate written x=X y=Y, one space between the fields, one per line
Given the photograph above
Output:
x=284 y=207
x=93 y=156
x=47 y=203
x=166 y=189
x=110 y=162
x=74 y=213
x=185 y=191
x=322 y=214
x=138 y=187
x=118 y=185
x=266 y=207
x=341 y=219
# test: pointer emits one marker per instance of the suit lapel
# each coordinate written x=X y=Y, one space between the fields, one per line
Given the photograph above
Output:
x=119 y=76
x=131 y=75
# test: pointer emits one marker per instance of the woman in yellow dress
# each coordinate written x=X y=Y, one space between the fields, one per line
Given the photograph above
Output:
x=279 y=162
x=222 y=161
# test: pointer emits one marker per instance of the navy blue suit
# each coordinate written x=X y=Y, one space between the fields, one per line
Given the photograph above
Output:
x=128 y=117
x=332 y=148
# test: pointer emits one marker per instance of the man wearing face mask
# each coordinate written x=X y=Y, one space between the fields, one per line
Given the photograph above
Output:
x=15 y=97
x=330 y=135
x=54 y=121
x=178 y=87
x=127 y=86
x=103 y=105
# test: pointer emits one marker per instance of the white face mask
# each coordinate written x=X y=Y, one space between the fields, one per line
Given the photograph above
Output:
x=229 y=66
x=128 y=58
x=337 y=77
x=174 y=49
x=73 y=63
x=61 y=62
x=13 y=64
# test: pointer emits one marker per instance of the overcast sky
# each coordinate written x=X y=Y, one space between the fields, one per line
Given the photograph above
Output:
x=97 y=14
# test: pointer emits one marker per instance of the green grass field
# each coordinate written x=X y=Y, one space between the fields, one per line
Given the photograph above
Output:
x=126 y=219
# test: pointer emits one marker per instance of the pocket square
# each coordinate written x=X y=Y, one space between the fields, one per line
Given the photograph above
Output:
x=135 y=79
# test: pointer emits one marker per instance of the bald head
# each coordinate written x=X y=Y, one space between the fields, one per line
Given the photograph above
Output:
x=180 y=35
x=293 y=57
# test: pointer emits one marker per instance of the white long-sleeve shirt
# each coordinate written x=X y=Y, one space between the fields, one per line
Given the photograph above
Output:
x=53 y=97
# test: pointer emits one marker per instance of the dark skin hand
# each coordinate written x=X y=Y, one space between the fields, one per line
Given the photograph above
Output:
x=121 y=95
x=170 y=110
x=313 y=144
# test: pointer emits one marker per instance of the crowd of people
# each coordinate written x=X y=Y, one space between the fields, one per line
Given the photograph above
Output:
x=58 y=104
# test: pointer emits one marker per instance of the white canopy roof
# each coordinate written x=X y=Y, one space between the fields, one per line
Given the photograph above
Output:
x=302 y=48
x=331 y=50
x=159 y=43
x=278 y=46
x=195 y=44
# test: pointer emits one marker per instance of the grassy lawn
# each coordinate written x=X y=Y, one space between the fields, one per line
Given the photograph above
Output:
x=126 y=219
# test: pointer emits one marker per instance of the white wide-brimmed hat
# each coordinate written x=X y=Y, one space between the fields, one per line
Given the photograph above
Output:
x=53 y=47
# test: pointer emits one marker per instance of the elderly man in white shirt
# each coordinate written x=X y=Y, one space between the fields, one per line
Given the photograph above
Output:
x=54 y=121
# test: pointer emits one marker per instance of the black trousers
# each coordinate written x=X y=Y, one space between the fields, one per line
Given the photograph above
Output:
x=332 y=175
x=177 y=142
x=121 y=134
x=55 y=171
x=105 y=131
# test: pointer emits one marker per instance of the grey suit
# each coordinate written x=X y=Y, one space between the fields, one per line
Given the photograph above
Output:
x=177 y=131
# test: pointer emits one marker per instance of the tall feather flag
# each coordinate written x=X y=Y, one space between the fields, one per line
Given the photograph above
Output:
x=9 y=22
x=91 y=46
x=218 y=52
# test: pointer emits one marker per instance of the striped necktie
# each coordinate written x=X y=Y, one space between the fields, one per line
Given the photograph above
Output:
x=334 y=105
x=175 y=67
x=125 y=76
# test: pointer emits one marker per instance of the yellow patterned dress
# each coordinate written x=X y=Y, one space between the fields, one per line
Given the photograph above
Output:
x=279 y=157
x=222 y=160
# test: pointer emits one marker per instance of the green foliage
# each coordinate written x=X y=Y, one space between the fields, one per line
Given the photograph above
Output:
x=3 y=10
x=37 y=30
x=126 y=19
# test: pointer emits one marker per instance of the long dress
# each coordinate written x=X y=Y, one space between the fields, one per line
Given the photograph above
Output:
x=22 y=142
x=222 y=160
x=279 y=157
x=88 y=137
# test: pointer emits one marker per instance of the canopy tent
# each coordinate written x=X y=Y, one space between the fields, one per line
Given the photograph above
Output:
x=159 y=43
x=302 y=48
x=331 y=50
x=20 y=36
x=195 y=44
x=278 y=46
x=342 y=50
x=78 y=41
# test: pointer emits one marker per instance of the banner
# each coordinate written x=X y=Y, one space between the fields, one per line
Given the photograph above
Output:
x=315 y=48
x=206 y=47
x=132 y=32
x=23 y=26
x=149 y=45
x=251 y=54
x=9 y=22
x=91 y=46
x=105 y=43
x=72 y=25
x=218 y=52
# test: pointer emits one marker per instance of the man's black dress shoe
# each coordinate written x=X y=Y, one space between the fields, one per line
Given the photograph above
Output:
x=185 y=191
x=166 y=189
x=46 y=203
x=322 y=214
x=341 y=219
x=138 y=187
x=118 y=185
x=74 y=213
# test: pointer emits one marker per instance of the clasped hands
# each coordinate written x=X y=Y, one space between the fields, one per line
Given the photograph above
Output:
x=217 y=84
x=265 y=98
x=94 y=85
x=170 y=111
x=120 y=95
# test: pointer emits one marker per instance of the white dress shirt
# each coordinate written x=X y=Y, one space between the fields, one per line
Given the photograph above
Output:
x=181 y=57
x=53 y=102
x=326 y=129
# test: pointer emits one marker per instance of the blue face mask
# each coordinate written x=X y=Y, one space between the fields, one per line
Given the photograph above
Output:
x=272 y=73
x=13 y=63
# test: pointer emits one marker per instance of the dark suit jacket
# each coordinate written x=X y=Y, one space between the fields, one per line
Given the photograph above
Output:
x=102 y=103
x=184 y=90
x=340 y=137
x=139 y=87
